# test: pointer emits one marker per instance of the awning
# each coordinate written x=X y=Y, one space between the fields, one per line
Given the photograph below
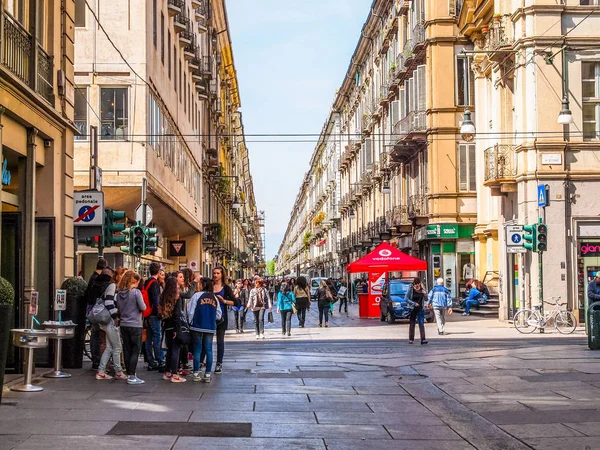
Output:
x=386 y=258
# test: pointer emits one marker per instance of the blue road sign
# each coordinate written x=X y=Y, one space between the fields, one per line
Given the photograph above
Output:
x=516 y=238
x=84 y=215
x=542 y=195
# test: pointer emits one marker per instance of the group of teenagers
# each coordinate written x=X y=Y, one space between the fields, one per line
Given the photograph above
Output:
x=182 y=312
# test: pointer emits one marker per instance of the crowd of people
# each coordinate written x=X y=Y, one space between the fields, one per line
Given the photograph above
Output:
x=171 y=318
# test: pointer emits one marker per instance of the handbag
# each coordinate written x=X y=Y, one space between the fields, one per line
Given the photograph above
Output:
x=182 y=330
x=98 y=314
x=270 y=317
x=294 y=309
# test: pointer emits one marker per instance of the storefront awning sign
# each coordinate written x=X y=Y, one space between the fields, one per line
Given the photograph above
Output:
x=321 y=242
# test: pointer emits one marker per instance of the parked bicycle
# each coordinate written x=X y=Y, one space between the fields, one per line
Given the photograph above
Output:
x=529 y=320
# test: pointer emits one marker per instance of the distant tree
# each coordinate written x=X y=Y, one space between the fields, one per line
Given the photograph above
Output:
x=271 y=267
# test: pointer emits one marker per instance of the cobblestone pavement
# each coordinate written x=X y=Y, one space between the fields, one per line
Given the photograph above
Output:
x=358 y=384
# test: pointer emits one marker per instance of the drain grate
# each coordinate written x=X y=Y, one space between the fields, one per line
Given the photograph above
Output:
x=186 y=429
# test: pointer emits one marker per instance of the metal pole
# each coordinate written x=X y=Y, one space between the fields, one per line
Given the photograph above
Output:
x=541 y=283
x=93 y=156
x=144 y=191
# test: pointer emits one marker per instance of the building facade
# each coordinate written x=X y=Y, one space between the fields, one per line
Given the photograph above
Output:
x=531 y=61
x=403 y=174
x=36 y=134
x=166 y=108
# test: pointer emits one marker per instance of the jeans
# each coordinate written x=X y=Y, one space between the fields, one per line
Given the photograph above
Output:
x=416 y=315
x=132 y=345
x=153 y=336
x=173 y=348
x=113 y=347
x=240 y=319
x=301 y=316
x=202 y=344
x=259 y=321
x=286 y=321
x=470 y=303
x=95 y=345
x=323 y=311
x=344 y=301
x=220 y=342
x=440 y=318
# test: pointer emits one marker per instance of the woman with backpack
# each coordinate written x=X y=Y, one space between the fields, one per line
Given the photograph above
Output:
x=113 y=336
x=204 y=311
x=170 y=307
x=224 y=295
x=417 y=296
x=302 y=294
x=131 y=305
x=324 y=297
x=286 y=302
x=259 y=301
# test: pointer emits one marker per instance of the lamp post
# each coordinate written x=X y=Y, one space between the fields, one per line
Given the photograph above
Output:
x=467 y=127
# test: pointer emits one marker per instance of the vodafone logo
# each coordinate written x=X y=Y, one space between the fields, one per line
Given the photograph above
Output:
x=385 y=253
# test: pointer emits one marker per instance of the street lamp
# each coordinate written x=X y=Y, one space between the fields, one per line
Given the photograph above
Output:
x=386 y=187
x=352 y=215
x=236 y=203
x=467 y=127
x=565 y=117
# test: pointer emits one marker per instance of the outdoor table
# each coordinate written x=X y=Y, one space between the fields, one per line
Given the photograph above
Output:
x=29 y=340
x=60 y=331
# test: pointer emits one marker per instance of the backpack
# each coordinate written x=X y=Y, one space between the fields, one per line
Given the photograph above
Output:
x=146 y=298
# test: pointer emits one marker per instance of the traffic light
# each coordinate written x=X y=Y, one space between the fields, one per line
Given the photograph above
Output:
x=111 y=227
x=150 y=241
x=138 y=239
x=541 y=237
x=89 y=242
x=529 y=237
x=127 y=240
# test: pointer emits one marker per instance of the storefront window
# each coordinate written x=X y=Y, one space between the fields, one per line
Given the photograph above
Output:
x=114 y=113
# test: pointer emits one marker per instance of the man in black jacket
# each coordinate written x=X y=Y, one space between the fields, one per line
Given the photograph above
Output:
x=91 y=294
x=153 y=327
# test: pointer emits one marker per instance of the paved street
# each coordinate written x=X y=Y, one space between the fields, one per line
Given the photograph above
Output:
x=355 y=385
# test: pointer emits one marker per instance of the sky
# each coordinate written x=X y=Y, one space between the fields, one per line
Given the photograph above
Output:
x=290 y=58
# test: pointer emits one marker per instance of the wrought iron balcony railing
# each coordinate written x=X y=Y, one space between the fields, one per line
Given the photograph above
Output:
x=417 y=205
x=500 y=163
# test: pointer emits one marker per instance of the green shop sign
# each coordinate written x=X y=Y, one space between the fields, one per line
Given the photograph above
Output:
x=445 y=231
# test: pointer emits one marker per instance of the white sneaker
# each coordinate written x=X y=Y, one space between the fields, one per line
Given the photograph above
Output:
x=196 y=376
x=262 y=336
x=258 y=336
x=207 y=378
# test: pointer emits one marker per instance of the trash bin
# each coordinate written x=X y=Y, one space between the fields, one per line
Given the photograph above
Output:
x=593 y=320
x=363 y=305
x=72 y=356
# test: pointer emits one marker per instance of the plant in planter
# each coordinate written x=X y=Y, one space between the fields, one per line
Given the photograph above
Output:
x=76 y=309
x=7 y=298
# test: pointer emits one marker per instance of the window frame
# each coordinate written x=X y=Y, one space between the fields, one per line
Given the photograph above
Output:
x=82 y=9
x=468 y=82
x=127 y=114
x=470 y=168
x=591 y=101
x=84 y=137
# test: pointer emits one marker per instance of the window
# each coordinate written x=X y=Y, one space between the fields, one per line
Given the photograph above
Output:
x=589 y=2
x=465 y=83
x=466 y=169
x=590 y=74
x=169 y=53
x=180 y=90
x=16 y=8
x=174 y=68
x=154 y=24
x=81 y=110
x=80 y=13
x=184 y=93
x=114 y=113
x=162 y=38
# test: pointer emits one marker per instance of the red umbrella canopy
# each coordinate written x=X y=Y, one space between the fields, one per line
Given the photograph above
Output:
x=386 y=258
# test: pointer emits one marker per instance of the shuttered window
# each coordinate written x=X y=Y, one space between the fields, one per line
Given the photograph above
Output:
x=466 y=170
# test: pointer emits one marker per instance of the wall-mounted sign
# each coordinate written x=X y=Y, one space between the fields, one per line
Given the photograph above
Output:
x=551 y=159
x=589 y=249
x=176 y=248
x=6 y=176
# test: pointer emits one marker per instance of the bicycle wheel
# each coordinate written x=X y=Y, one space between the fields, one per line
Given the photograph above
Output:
x=565 y=322
x=526 y=321
x=87 y=351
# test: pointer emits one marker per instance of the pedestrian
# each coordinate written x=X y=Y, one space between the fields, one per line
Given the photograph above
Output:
x=440 y=299
x=286 y=302
x=302 y=294
x=259 y=301
x=153 y=323
x=187 y=289
x=131 y=305
x=417 y=295
x=224 y=295
x=244 y=297
x=593 y=290
x=343 y=296
x=113 y=337
x=475 y=297
x=239 y=307
x=170 y=307
x=161 y=280
x=204 y=312
x=92 y=293
x=324 y=298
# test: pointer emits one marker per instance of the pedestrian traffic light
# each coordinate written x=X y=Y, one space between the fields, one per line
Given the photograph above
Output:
x=112 y=230
x=138 y=240
x=127 y=241
x=541 y=237
x=529 y=237
x=151 y=241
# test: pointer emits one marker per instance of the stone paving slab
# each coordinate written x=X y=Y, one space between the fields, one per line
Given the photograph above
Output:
x=495 y=407
x=540 y=430
x=253 y=417
x=319 y=431
x=9 y=441
x=349 y=418
x=243 y=404
x=345 y=444
x=587 y=428
x=190 y=443
x=267 y=406
x=429 y=432
x=571 y=443
x=96 y=442
x=177 y=415
x=542 y=417
x=53 y=427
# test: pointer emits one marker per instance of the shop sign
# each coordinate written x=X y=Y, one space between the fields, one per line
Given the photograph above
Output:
x=589 y=249
x=6 y=176
x=449 y=231
x=176 y=249
x=441 y=231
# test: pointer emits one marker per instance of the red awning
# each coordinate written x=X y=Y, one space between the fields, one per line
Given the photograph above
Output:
x=386 y=258
x=321 y=242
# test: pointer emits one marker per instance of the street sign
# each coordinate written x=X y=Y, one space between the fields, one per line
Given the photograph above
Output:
x=33 y=303
x=60 y=300
x=139 y=212
x=514 y=236
x=542 y=195
x=88 y=209
x=516 y=250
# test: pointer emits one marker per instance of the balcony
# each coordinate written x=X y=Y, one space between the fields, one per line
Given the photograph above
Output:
x=189 y=51
x=400 y=216
x=418 y=37
x=417 y=206
x=499 y=36
x=500 y=167
x=181 y=23
x=175 y=7
x=201 y=13
x=20 y=53
x=384 y=92
x=206 y=67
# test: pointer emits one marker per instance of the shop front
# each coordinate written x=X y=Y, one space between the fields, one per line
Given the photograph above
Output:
x=588 y=263
x=450 y=252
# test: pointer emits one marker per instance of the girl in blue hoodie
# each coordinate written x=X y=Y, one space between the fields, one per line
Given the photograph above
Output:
x=285 y=305
x=204 y=311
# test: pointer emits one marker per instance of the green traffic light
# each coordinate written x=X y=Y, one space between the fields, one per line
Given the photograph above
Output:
x=529 y=237
x=118 y=215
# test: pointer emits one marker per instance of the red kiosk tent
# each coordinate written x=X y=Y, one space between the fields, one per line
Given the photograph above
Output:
x=383 y=259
